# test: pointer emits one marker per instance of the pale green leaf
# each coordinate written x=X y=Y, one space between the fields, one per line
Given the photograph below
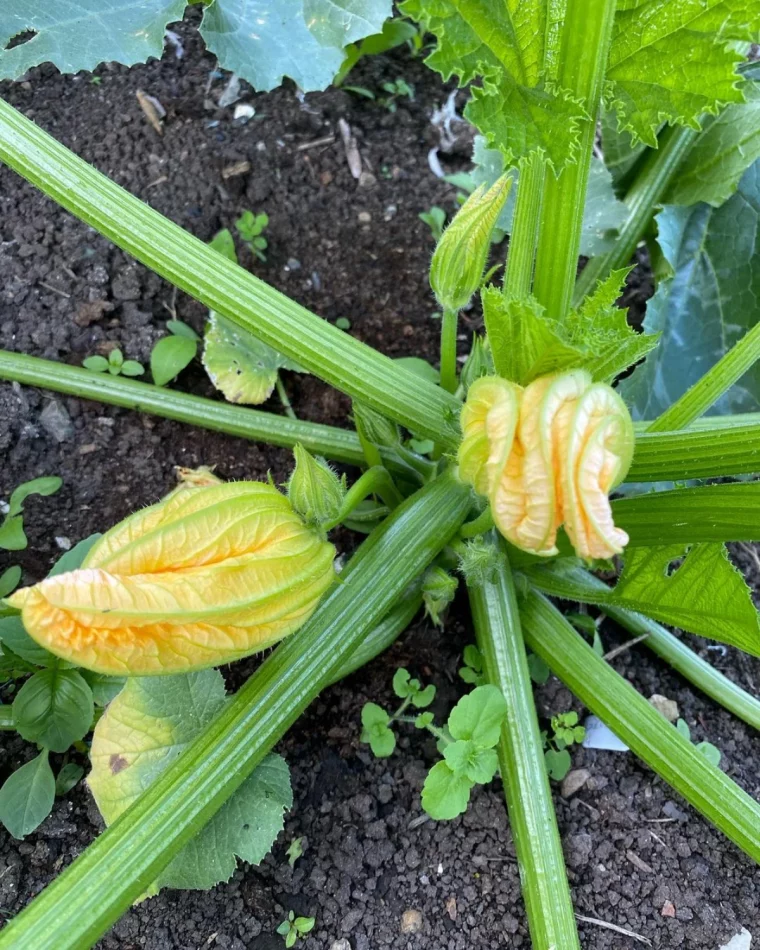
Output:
x=263 y=41
x=54 y=708
x=445 y=793
x=725 y=149
x=511 y=46
x=243 y=368
x=27 y=796
x=478 y=716
x=707 y=306
x=144 y=729
x=676 y=59
x=603 y=213
x=620 y=152
x=12 y=536
x=170 y=356
x=47 y=485
x=80 y=34
x=558 y=763
x=9 y=580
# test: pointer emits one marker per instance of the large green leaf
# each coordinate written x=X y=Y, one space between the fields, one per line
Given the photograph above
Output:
x=707 y=305
x=142 y=732
x=603 y=214
x=239 y=365
x=79 y=34
x=526 y=342
x=676 y=59
x=512 y=47
x=264 y=41
x=725 y=149
x=620 y=152
x=696 y=589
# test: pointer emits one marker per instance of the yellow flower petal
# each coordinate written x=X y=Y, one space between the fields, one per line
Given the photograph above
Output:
x=489 y=420
x=200 y=579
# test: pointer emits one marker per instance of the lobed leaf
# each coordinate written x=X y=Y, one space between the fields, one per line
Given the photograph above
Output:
x=672 y=60
x=142 y=732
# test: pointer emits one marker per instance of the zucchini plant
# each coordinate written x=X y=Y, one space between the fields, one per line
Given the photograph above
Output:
x=522 y=449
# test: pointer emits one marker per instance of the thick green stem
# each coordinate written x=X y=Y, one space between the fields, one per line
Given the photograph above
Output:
x=675 y=652
x=696 y=401
x=449 y=323
x=585 y=45
x=719 y=445
x=6 y=718
x=524 y=236
x=81 y=904
x=479 y=525
x=656 y=174
x=222 y=286
x=521 y=762
x=341 y=445
x=375 y=481
x=649 y=735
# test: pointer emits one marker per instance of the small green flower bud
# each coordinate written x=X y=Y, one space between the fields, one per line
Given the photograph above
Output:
x=438 y=590
x=479 y=561
x=478 y=363
x=460 y=257
x=314 y=489
x=375 y=428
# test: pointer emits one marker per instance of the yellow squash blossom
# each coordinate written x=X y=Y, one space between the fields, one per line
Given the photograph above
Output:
x=546 y=455
x=206 y=576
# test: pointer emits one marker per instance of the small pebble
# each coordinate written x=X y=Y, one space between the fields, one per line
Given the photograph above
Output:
x=364 y=217
x=63 y=543
x=574 y=782
x=411 y=921
x=668 y=909
x=666 y=707
x=341 y=944
x=56 y=421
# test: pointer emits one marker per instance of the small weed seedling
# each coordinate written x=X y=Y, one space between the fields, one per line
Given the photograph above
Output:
x=115 y=364
x=173 y=353
x=435 y=219
x=12 y=536
x=250 y=227
x=295 y=850
x=395 y=90
x=294 y=927
x=711 y=752
x=565 y=732
x=466 y=742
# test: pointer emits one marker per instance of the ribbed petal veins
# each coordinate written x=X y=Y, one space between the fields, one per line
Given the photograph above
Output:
x=548 y=455
x=206 y=576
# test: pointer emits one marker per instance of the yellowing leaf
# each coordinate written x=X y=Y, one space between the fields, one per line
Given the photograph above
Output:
x=142 y=732
x=206 y=576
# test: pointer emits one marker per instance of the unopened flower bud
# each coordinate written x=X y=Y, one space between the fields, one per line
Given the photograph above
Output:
x=548 y=455
x=438 y=591
x=374 y=427
x=314 y=489
x=459 y=259
x=204 y=577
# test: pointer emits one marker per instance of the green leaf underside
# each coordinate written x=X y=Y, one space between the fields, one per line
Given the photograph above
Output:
x=517 y=108
x=80 y=34
x=707 y=305
x=54 y=708
x=620 y=152
x=446 y=793
x=671 y=60
x=263 y=41
x=527 y=343
x=27 y=796
x=243 y=368
x=716 y=162
x=696 y=589
x=603 y=214
x=143 y=731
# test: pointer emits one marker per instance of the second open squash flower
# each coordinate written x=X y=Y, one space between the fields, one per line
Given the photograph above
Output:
x=548 y=455
x=208 y=575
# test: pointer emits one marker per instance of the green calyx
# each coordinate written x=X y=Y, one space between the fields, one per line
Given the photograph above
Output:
x=438 y=591
x=459 y=259
x=314 y=489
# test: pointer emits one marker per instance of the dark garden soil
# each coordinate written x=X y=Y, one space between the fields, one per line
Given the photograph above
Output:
x=374 y=872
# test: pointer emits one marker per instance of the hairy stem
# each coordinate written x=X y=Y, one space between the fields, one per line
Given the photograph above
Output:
x=524 y=236
x=521 y=762
x=449 y=323
x=585 y=45
x=375 y=481
x=81 y=904
x=655 y=176
x=222 y=286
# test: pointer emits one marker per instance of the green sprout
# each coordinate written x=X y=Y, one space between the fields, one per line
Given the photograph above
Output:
x=250 y=227
x=115 y=364
x=294 y=927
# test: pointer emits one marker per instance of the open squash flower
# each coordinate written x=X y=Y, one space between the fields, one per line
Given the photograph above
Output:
x=546 y=455
x=206 y=576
